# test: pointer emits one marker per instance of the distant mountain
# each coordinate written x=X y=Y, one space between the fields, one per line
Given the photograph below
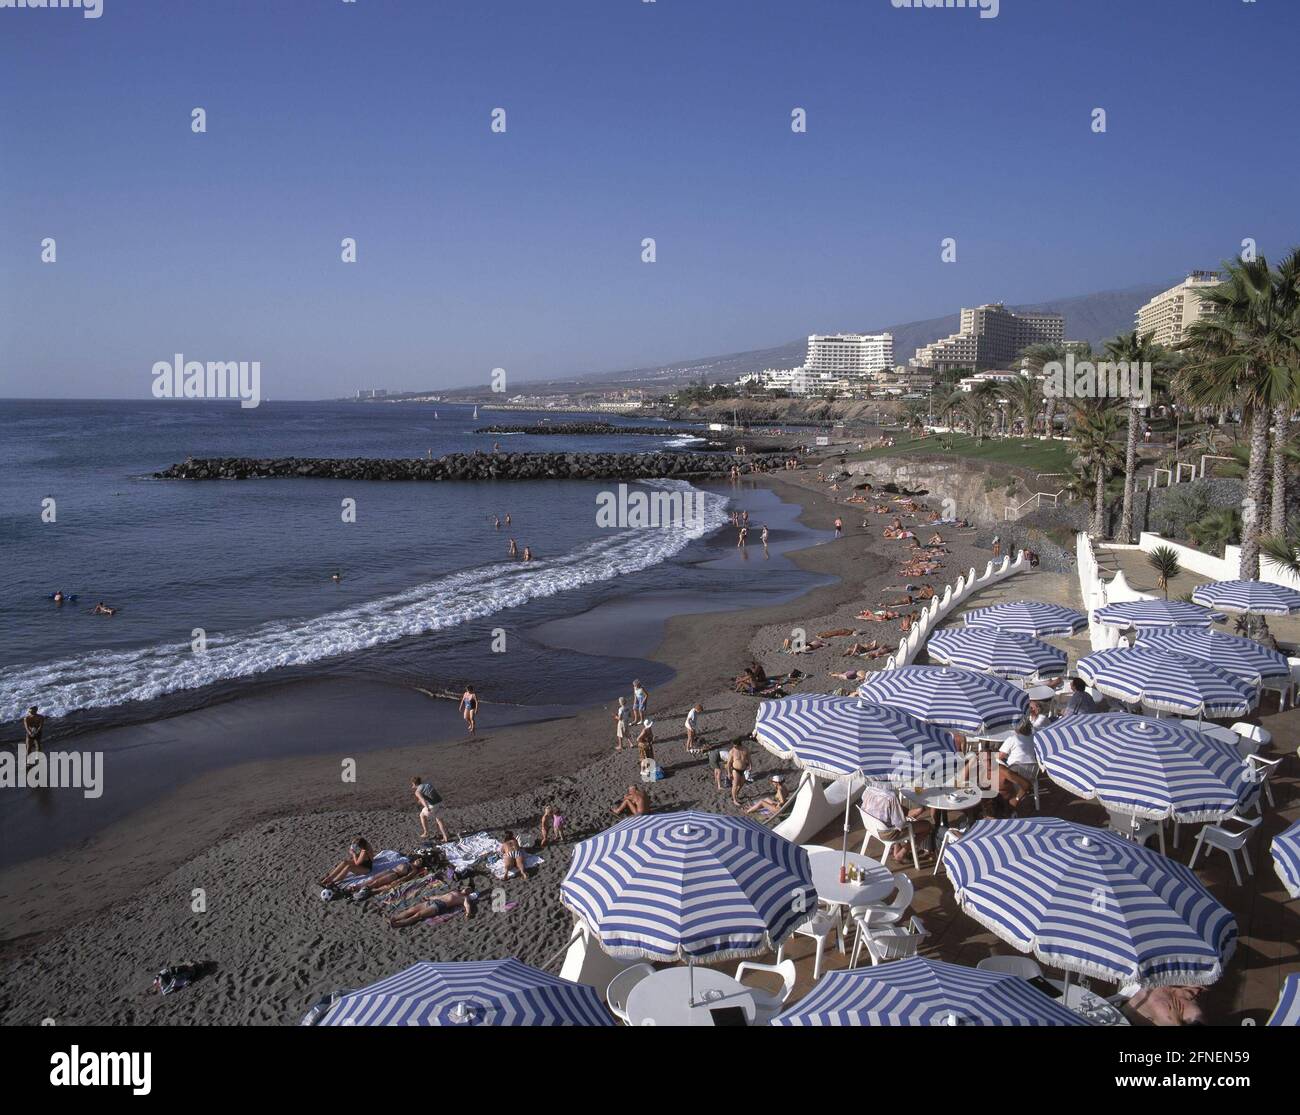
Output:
x=1088 y=317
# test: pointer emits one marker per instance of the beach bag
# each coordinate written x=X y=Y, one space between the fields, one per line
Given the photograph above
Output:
x=650 y=771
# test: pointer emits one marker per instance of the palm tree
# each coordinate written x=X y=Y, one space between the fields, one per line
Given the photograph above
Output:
x=1246 y=353
x=1095 y=431
x=1164 y=560
x=1284 y=548
x=1136 y=351
x=1033 y=358
x=1216 y=529
x=1023 y=396
x=1287 y=280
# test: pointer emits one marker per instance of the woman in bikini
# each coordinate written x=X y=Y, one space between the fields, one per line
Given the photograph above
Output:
x=512 y=856
x=359 y=860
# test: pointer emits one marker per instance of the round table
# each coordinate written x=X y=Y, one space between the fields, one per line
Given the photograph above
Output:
x=1243 y=745
x=944 y=799
x=663 y=999
x=877 y=880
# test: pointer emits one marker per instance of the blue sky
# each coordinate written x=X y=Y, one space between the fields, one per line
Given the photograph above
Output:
x=625 y=120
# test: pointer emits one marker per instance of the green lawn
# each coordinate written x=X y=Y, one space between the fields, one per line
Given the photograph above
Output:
x=1026 y=453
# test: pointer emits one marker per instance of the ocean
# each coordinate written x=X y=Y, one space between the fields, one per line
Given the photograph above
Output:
x=224 y=587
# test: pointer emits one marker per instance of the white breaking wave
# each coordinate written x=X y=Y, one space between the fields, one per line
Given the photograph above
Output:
x=684 y=441
x=102 y=680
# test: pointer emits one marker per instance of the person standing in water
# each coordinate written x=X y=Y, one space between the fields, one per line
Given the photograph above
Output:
x=469 y=708
x=33 y=726
x=528 y=553
x=507 y=518
x=763 y=536
x=514 y=548
x=839 y=526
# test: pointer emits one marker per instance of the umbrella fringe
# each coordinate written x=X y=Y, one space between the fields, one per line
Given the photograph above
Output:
x=1199 y=977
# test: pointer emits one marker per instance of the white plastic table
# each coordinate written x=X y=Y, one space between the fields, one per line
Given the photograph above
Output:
x=663 y=999
x=944 y=798
x=877 y=880
x=1243 y=745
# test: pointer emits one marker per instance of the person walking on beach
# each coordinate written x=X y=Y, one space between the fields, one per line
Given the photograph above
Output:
x=738 y=763
x=692 y=726
x=740 y=538
x=620 y=724
x=640 y=699
x=430 y=807
x=839 y=526
x=33 y=726
x=469 y=708
x=763 y=536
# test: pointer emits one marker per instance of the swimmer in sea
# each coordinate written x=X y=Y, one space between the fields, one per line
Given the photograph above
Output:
x=496 y=522
x=58 y=596
x=514 y=548
x=528 y=553
x=102 y=609
x=336 y=576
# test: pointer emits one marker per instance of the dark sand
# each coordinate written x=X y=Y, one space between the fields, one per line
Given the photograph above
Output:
x=85 y=930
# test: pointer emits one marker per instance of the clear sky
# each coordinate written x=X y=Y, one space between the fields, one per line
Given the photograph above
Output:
x=624 y=120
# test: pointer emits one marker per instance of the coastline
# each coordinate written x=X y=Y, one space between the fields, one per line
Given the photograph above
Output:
x=252 y=837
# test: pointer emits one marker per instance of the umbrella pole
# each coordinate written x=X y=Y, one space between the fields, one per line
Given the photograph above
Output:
x=690 y=968
x=844 y=851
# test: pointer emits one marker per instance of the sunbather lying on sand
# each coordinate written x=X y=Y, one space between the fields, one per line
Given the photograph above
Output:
x=837 y=633
x=906 y=599
x=788 y=646
x=936 y=539
x=872 y=649
x=849 y=675
x=397 y=874
x=512 y=855
x=360 y=857
x=436 y=907
x=883 y=616
x=770 y=805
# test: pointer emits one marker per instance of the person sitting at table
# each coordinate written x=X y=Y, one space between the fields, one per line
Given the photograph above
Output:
x=1039 y=716
x=1017 y=764
x=881 y=804
x=1079 y=701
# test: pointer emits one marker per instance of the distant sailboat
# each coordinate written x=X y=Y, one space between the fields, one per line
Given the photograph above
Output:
x=435 y=415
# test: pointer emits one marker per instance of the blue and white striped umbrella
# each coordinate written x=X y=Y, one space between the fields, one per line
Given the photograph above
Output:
x=1243 y=657
x=1028 y=617
x=1286 y=859
x=475 y=993
x=921 y=992
x=1002 y=653
x=1145 y=767
x=1168 y=682
x=958 y=699
x=1287 y=1011
x=1155 y=613
x=689 y=886
x=838 y=736
x=1255 y=597
x=1090 y=901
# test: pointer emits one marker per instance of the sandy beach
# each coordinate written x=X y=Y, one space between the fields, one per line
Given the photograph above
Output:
x=85 y=930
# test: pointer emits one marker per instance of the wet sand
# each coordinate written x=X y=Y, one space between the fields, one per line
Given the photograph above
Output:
x=85 y=930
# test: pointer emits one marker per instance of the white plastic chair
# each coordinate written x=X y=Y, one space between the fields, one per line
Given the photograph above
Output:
x=767 y=1004
x=950 y=836
x=1021 y=966
x=1256 y=735
x=1229 y=836
x=819 y=927
x=620 y=987
x=1264 y=770
x=1136 y=829
x=892 y=942
x=876 y=831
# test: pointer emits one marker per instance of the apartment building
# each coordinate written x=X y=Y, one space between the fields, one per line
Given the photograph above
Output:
x=1168 y=315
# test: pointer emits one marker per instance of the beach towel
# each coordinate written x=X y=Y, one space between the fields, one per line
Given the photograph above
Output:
x=382 y=862
x=468 y=850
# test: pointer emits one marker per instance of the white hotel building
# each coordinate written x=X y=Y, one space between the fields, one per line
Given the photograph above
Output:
x=849 y=355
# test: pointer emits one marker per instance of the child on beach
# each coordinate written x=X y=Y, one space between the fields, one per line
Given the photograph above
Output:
x=552 y=826
x=620 y=724
x=430 y=806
